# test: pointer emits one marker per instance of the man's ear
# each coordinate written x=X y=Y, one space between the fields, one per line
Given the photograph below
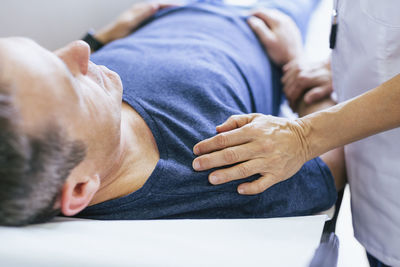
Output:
x=77 y=193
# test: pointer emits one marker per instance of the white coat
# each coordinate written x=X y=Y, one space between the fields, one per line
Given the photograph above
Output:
x=367 y=53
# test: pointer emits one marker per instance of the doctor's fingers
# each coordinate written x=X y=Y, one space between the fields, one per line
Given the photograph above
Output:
x=227 y=156
x=290 y=70
x=291 y=65
x=295 y=92
x=258 y=186
x=318 y=93
x=168 y=5
x=292 y=75
x=223 y=140
x=304 y=78
x=237 y=172
x=235 y=121
x=303 y=82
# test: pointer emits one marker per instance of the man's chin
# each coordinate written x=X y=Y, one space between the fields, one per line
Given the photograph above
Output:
x=116 y=80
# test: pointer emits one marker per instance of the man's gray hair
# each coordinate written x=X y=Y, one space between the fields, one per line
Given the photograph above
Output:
x=33 y=170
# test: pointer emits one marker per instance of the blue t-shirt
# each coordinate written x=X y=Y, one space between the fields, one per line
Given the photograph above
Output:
x=185 y=72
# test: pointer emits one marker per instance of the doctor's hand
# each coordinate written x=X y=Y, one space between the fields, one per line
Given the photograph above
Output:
x=278 y=33
x=270 y=146
x=313 y=80
x=128 y=21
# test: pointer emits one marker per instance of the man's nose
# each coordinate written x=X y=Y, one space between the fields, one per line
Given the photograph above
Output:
x=76 y=56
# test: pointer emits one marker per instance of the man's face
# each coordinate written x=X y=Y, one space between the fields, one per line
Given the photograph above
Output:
x=63 y=87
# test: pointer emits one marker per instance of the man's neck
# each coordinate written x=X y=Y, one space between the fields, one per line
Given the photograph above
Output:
x=137 y=157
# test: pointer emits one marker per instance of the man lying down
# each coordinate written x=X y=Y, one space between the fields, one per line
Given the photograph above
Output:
x=69 y=144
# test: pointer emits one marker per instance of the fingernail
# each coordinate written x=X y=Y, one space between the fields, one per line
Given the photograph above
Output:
x=196 y=165
x=196 y=150
x=214 y=179
x=241 y=191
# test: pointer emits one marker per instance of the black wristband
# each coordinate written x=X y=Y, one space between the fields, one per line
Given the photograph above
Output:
x=92 y=41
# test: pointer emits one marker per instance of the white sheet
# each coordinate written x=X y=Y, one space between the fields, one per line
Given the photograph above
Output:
x=252 y=242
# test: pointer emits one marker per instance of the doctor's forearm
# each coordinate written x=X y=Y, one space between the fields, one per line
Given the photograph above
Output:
x=375 y=111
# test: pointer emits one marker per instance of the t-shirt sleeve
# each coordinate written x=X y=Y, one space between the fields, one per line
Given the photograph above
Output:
x=309 y=191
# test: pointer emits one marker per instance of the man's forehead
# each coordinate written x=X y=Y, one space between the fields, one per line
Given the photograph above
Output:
x=17 y=41
x=20 y=51
x=15 y=45
x=12 y=53
x=23 y=60
x=3 y=59
x=35 y=78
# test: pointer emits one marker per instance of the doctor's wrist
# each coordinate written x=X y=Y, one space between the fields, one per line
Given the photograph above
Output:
x=303 y=132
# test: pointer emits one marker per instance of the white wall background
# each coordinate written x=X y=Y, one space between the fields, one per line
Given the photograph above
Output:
x=53 y=23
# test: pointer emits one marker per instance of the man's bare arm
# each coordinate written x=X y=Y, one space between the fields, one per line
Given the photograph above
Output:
x=129 y=21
